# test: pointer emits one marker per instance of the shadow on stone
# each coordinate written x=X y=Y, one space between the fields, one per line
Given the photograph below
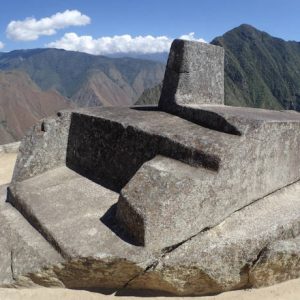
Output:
x=104 y=148
x=110 y=221
x=143 y=293
x=145 y=107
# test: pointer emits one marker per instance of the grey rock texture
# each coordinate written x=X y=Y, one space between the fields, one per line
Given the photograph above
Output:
x=122 y=139
x=44 y=147
x=233 y=120
x=150 y=212
x=220 y=259
x=109 y=146
x=23 y=251
x=250 y=166
x=186 y=198
x=216 y=260
x=279 y=262
x=194 y=74
x=75 y=215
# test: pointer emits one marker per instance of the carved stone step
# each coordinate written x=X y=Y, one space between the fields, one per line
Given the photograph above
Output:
x=108 y=145
x=76 y=216
x=23 y=250
x=221 y=258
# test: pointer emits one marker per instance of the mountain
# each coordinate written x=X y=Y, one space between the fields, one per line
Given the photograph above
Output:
x=22 y=103
x=150 y=96
x=36 y=83
x=260 y=70
x=78 y=76
x=159 y=56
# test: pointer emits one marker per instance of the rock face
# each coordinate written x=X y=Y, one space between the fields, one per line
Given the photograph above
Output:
x=185 y=198
x=279 y=262
x=221 y=258
x=23 y=250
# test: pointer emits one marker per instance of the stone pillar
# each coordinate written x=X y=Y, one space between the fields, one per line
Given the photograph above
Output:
x=194 y=75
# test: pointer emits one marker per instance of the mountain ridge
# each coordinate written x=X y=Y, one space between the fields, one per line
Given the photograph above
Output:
x=66 y=71
x=260 y=70
x=72 y=78
x=22 y=103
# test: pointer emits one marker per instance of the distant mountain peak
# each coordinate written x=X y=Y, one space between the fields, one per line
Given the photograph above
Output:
x=246 y=27
x=260 y=70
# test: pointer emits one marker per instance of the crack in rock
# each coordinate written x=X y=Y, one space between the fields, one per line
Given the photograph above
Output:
x=164 y=252
x=151 y=267
x=12 y=265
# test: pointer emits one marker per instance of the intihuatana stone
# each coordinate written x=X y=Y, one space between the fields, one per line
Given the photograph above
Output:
x=189 y=197
x=194 y=75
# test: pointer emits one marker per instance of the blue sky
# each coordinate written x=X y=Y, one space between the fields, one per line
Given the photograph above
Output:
x=82 y=24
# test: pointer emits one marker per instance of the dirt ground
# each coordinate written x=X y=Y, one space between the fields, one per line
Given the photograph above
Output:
x=285 y=291
x=289 y=290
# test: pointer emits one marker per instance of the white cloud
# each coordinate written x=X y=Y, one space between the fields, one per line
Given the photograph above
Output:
x=31 y=29
x=117 y=44
x=191 y=37
x=1 y=45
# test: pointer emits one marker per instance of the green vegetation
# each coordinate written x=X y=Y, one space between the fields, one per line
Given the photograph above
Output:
x=260 y=70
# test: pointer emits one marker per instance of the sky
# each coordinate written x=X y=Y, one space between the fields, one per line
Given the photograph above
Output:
x=144 y=26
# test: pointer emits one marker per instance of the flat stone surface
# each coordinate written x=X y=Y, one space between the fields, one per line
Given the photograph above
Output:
x=76 y=216
x=23 y=250
x=219 y=259
x=194 y=74
x=234 y=120
x=279 y=262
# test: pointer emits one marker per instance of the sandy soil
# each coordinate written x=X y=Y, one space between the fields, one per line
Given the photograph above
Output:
x=289 y=290
x=285 y=291
x=7 y=162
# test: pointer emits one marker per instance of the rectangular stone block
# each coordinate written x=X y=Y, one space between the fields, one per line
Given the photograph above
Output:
x=194 y=75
